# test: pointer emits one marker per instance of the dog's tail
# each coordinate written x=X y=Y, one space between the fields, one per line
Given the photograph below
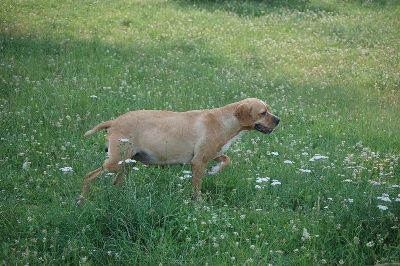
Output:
x=103 y=125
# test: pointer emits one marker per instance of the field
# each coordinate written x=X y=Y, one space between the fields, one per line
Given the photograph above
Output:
x=323 y=189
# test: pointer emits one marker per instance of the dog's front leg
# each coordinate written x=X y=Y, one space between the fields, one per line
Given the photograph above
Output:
x=223 y=161
x=198 y=169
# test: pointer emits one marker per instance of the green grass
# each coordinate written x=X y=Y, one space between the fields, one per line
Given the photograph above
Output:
x=330 y=70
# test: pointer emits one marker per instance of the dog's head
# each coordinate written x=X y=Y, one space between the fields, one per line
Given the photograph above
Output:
x=255 y=114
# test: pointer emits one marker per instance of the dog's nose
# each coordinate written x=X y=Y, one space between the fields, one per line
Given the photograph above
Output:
x=276 y=120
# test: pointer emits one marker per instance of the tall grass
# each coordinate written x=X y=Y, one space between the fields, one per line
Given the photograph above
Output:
x=322 y=189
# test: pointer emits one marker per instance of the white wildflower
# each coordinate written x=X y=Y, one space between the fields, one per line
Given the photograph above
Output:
x=370 y=244
x=127 y=161
x=288 y=162
x=304 y=170
x=262 y=179
x=305 y=235
x=184 y=177
x=275 y=153
x=318 y=157
x=66 y=169
x=375 y=183
x=25 y=165
x=248 y=261
x=275 y=183
x=384 y=197
x=348 y=181
x=382 y=207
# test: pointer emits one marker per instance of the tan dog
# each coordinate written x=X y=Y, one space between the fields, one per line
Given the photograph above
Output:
x=167 y=138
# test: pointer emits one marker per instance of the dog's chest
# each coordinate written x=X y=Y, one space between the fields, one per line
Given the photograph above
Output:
x=228 y=144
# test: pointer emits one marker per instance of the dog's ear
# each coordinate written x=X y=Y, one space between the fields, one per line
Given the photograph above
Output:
x=243 y=113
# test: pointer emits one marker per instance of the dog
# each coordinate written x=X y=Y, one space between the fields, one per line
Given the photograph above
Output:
x=167 y=138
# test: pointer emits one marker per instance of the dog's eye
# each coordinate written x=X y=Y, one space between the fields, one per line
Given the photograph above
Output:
x=264 y=113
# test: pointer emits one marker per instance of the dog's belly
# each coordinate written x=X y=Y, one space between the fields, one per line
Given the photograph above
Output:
x=150 y=159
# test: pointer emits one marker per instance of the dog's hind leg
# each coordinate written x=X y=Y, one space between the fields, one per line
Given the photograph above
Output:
x=223 y=161
x=118 y=177
x=120 y=151
x=87 y=182
x=113 y=164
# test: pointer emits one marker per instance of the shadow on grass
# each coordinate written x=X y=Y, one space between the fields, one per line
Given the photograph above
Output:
x=149 y=73
x=257 y=8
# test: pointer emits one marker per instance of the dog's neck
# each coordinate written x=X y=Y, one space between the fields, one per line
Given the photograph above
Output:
x=231 y=122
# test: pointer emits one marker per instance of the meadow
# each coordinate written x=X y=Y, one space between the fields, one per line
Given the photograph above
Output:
x=323 y=189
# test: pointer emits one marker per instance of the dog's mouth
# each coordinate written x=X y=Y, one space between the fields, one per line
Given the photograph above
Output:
x=263 y=129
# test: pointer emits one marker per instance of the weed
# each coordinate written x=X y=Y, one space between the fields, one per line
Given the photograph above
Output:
x=323 y=189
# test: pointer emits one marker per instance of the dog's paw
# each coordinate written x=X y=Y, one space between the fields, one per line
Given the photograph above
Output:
x=214 y=170
x=80 y=201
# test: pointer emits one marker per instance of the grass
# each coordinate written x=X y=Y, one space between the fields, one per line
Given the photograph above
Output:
x=330 y=70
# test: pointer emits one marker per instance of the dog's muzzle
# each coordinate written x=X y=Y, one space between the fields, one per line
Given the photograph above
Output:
x=267 y=130
x=276 y=120
x=263 y=129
